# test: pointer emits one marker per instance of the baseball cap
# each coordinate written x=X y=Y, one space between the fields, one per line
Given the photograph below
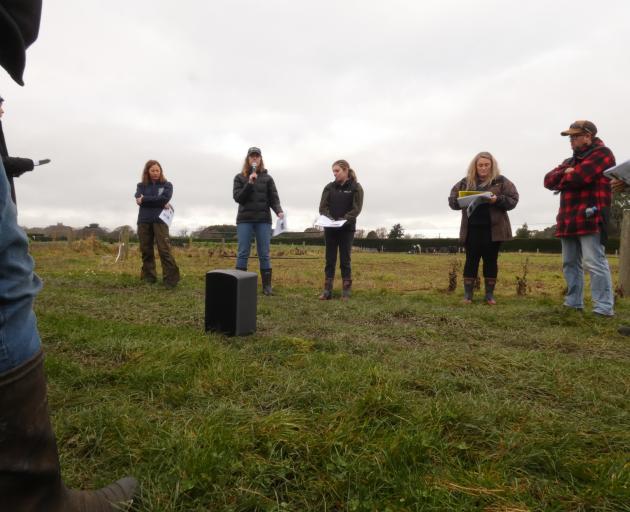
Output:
x=254 y=151
x=581 y=127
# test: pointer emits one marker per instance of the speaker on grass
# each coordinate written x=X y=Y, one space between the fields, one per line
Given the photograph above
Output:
x=231 y=302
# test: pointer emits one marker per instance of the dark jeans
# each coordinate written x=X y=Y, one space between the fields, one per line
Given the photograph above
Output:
x=338 y=240
x=148 y=234
x=479 y=245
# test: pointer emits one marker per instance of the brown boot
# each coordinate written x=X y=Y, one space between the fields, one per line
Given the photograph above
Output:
x=347 y=289
x=30 y=477
x=328 y=287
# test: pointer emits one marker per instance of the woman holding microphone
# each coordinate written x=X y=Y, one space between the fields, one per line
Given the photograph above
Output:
x=341 y=199
x=255 y=192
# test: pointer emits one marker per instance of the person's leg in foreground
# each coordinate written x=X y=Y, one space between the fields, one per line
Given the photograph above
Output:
x=30 y=476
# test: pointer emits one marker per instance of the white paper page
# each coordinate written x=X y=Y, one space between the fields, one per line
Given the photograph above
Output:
x=325 y=222
x=167 y=215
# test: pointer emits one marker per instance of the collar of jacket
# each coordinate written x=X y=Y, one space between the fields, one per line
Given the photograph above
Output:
x=597 y=144
x=349 y=183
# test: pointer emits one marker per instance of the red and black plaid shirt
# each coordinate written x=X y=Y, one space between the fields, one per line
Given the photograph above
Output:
x=584 y=187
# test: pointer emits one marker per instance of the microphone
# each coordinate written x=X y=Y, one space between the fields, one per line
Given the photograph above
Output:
x=253 y=175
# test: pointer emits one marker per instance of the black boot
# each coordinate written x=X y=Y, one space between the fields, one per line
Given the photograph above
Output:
x=265 y=275
x=328 y=286
x=241 y=268
x=490 y=283
x=469 y=286
x=30 y=477
x=346 y=290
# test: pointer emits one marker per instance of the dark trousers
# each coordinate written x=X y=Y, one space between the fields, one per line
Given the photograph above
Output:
x=148 y=234
x=479 y=245
x=338 y=240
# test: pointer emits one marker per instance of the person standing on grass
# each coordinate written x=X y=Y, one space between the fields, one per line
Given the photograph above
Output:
x=30 y=473
x=582 y=220
x=255 y=192
x=341 y=199
x=485 y=224
x=153 y=195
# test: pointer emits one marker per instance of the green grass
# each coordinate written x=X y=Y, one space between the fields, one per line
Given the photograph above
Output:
x=402 y=399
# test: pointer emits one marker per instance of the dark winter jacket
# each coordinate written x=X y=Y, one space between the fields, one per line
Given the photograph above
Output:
x=155 y=197
x=255 y=199
x=342 y=202
x=583 y=188
x=507 y=199
x=13 y=166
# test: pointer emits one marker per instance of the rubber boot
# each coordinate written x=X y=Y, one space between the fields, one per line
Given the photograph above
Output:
x=265 y=275
x=328 y=287
x=490 y=282
x=469 y=286
x=346 y=290
x=30 y=476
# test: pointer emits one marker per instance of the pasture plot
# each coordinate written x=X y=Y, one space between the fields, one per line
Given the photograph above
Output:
x=401 y=399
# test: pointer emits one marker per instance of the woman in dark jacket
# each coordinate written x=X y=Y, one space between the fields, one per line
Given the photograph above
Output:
x=341 y=199
x=153 y=195
x=485 y=224
x=255 y=192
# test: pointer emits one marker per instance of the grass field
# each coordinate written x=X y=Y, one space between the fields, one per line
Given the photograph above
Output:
x=402 y=399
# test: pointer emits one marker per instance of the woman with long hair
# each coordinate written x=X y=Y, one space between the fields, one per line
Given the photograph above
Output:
x=485 y=224
x=255 y=192
x=153 y=195
x=341 y=199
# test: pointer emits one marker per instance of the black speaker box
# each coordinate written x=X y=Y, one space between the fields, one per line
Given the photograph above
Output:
x=231 y=302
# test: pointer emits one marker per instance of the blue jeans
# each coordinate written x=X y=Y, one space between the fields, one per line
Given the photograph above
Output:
x=244 y=232
x=19 y=339
x=588 y=251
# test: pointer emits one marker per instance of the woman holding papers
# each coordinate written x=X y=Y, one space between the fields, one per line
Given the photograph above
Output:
x=342 y=199
x=484 y=196
x=153 y=195
x=255 y=192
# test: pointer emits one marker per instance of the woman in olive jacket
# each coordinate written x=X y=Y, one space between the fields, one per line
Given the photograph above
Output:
x=256 y=193
x=341 y=199
x=485 y=224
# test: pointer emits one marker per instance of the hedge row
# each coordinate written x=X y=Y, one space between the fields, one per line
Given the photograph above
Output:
x=438 y=245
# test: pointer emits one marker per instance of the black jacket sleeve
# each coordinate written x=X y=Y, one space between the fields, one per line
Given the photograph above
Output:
x=15 y=166
x=241 y=190
x=274 y=198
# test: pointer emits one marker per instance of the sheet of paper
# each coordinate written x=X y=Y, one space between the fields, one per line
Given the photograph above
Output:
x=325 y=222
x=167 y=215
x=621 y=172
x=466 y=200
x=281 y=225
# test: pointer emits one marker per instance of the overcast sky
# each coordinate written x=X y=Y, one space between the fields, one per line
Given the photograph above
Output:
x=408 y=91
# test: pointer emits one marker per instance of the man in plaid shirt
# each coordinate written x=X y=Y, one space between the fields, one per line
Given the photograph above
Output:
x=582 y=221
